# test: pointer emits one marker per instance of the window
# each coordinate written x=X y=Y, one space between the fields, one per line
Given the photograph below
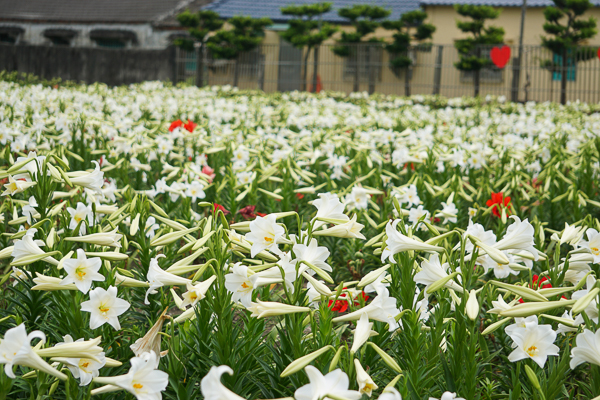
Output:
x=6 y=38
x=10 y=34
x=60 y=36
x=571 y=68
x=369 y=61
x=111 y=43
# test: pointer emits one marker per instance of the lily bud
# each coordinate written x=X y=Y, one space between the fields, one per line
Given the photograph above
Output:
x=386 y=358
x=522 y=291
x=495 y=326
x=444 y=282
x=372 y=276
x=135 y=224
x=472 y=306
x=527 y=309
x=583 y=302
x=263 y=309
x=532 y=377
x=302 y=362
x=318 y=286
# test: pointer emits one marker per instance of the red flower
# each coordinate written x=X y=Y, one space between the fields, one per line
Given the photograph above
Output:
x=498 y=199
x=220 y=207
x=261 y=214
x=248 y=212
x=190 y=126
x=300 y=196
x=341 y=304
x=175 y=124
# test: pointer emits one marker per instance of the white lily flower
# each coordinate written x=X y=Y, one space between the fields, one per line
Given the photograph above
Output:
x=150 y=342
x=313 y=254
x=196 y=292
x=362 y=333
x=432 y=271
x=592 y=244
x=533 y=341
x=329 y=206
x=265 y=234
x=16 y=186
x=82 y=271
x=397 y=242
x=15 y=349
x=572 y=234
x=365 y=382
x=93 y=180
x=335 y=383
x=84 y=369
x=239 y=283
x=382 y=308
x=587 y=348
x=81 y=213
x=28 y=246
x=349 y=230
x=157 y=277
x=104 y=306
x=519 y=236
x=143 y=380
x=264 y=309
x=212 y=388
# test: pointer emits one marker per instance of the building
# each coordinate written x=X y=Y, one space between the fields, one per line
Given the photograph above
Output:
x=442 y=15
x=144 y=24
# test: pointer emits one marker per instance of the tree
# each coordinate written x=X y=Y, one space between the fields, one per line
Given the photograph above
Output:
x=246 y=34
x=470 y=49
x=565 y=39
x=306 y=31
x=409 y=27
x=365 y=19
x=199 y=25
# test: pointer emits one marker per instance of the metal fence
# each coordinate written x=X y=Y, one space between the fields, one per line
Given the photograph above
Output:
x=281 y=67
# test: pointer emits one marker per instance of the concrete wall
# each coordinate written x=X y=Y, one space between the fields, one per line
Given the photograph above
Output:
x=110 y=66
x=444 y=19
x=147 y=37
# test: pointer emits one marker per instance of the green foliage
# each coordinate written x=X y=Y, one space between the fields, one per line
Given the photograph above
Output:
x=410 y=27
x=565 y=29
x=304 y=30
x=246 y=35
x=365 y=19
x=469 y=49
x=199 y=25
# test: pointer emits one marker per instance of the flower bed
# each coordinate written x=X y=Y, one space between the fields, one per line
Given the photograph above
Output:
x=175 y=242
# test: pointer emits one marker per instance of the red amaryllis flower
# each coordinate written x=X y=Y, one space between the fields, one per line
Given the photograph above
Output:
x=220 y=207
x=300 y=196
x=341 y=304
x=498 y=199
x=190 y=126
x=248 y=212
x=261 y=214
x=175 y=124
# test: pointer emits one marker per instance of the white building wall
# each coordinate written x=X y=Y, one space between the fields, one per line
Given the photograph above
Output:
x=147 y=37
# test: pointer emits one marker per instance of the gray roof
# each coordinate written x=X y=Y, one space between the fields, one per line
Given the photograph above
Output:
x=272 y=8
x=90 y=11
x=494 y=3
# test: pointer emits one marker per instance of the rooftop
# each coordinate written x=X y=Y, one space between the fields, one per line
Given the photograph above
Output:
x=494 y=3
x=96 y=11
x=272 y=8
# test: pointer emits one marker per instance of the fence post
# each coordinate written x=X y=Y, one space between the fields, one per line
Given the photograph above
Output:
x=516 y=77
x=200 y=65
x=261 y=69
x=437 y=74
x=175 y=64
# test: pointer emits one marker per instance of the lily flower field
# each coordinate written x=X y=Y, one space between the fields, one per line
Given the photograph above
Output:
x=184 y=243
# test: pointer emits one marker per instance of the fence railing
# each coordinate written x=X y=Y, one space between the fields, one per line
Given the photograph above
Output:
x=281 y=67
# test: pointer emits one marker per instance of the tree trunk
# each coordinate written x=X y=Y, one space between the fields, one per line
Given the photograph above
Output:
x=236 y=71
x=563 y=78
x=356 y=69
x=477 y=73
x=315 y=68
x=305 y=72
x=200 y=67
